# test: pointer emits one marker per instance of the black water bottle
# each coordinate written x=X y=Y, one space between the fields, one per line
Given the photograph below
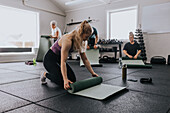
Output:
x=124 y=72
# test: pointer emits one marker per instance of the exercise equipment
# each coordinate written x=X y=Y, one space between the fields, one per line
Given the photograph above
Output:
x=139 y=36
x=143 y=51
x=146 y=80
x=93 y=57
x=141 y=44
x=142 y=47
x=107 y=59
x=133 y=63
x=143 y=54
x=158 y=60
x=168 y=59
x=141 y=41
x=132 y=80
x=144 y=58
x=93 y=88
x=44 y=46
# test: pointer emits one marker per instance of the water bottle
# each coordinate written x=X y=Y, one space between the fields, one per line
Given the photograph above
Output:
x=124 y=72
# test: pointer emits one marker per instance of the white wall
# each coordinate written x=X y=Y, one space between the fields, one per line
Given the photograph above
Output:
x=99 y=13
x=45 y=18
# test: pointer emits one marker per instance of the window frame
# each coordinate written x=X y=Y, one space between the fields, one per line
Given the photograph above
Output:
x=21 y=50
x=109 y=12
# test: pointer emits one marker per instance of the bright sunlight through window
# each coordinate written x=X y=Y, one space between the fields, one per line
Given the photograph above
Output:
x=121 y=22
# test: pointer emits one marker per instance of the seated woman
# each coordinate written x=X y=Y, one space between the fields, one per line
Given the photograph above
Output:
x=55 y=59
x=132 y=48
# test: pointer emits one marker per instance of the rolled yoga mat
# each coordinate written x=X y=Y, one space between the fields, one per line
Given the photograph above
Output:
x=93 y=88
x=84 y=84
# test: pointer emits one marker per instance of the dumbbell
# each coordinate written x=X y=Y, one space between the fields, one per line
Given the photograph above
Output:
x=107 y=41
x=142 y=50
x=144 y=58
x=141 y=44
x=141 y=40
x=103 y=41
x=105 y=58
x=142 y=47
x=143 y=54
x=113 y=41
x=140 y=37
x=146 y=80
x=99 y=42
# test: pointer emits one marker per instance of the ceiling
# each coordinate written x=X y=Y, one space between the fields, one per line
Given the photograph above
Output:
x=83 y=4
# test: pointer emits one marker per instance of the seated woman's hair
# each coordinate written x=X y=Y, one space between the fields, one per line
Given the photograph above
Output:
x=131 y=34
x=53 y=22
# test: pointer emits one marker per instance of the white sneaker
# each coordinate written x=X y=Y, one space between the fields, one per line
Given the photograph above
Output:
x=43 y=78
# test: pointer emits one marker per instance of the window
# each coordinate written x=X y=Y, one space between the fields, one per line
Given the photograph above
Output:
x=19 y=30
x=121 y=22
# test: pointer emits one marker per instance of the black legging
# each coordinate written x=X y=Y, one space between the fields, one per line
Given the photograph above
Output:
x=52 y=65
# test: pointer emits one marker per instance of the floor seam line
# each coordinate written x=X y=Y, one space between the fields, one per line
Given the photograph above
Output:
x=148 y=93
x=20 y=81
x=17 y=107
x=50 y=97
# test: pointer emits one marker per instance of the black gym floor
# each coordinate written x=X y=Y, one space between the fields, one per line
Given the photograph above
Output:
x=21 y=91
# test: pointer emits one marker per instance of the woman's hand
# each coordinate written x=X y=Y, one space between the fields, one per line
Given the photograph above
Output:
x=95 y=75
x=66 y=84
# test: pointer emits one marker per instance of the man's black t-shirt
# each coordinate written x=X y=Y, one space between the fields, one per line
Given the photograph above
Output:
x=132 y=48
x=91 y=40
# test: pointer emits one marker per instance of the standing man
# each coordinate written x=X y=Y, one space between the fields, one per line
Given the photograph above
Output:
x=132 y=48
x=92 y=41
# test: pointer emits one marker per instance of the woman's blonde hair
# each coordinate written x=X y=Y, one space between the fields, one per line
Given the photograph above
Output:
x=83 y=28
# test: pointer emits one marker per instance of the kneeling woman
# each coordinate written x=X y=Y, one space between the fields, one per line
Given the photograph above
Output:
x=58 y=70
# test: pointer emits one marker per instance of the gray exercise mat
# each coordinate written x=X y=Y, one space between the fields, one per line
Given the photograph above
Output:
x=132 y=62
x=92 y=56
x=93 y=88
x=99 y=92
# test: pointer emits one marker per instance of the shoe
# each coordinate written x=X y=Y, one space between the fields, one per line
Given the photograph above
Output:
x=43 y=79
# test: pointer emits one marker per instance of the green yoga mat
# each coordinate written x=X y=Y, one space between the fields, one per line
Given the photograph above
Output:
x=127 y=58
x=80 y=85
x=139 y=66
x=93 y=88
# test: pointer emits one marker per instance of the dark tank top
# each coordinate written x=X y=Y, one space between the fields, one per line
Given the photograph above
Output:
x=57 y=49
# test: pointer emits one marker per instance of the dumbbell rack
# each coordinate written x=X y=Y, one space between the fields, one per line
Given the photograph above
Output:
x=112 y=48
x=139 y=37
